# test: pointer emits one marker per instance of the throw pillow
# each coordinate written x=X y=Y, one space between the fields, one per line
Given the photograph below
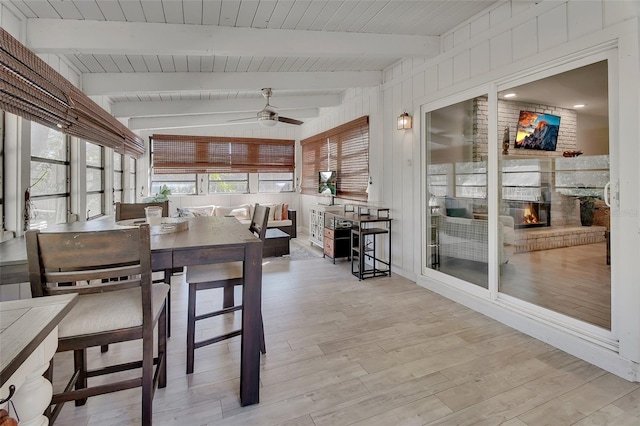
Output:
x=184 y=213
x=277 y=212
x=200 y=211
x=240 y=212
x=272 y=209
x=195 y=211
x=285 y=211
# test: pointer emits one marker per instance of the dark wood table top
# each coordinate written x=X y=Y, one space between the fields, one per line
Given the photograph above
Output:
x=203 y=232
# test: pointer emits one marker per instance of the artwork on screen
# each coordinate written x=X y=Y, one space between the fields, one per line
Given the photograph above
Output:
x=327 y=183
x=537 y=131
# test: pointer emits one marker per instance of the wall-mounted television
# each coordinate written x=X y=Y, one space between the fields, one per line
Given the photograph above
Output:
x=327 y=182
x=537 y=131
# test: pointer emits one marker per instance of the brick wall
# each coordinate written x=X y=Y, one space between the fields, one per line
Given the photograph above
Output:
x=508 y=114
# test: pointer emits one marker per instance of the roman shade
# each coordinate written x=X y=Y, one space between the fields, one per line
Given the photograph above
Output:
x=180 y=154
x=33 y=90
x=345 y=149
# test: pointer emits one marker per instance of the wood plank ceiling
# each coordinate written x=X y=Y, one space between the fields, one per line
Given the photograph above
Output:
x=186 y=58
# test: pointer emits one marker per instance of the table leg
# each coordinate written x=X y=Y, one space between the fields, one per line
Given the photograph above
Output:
x=251 y=325
x=34 y=396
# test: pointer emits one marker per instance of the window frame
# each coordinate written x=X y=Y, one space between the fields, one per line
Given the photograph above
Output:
x=117 y=172
x=262 y=179
x=65 y=195
x=157 y=184
x=229 y=180
x=101 y=191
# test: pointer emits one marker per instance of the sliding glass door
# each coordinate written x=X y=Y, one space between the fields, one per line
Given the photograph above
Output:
x=456 y=185
x=554 y=174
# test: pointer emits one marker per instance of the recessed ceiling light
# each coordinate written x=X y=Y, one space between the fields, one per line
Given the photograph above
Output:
x=510 y=95
x=579 y=106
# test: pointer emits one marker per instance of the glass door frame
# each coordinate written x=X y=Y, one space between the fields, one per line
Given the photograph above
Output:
x=605 y=338
x=422 y=128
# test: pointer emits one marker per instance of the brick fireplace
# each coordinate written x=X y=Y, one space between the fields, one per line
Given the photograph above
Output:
x=530 y=214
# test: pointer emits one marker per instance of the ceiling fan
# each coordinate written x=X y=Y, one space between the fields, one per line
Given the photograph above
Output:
x=268 y=116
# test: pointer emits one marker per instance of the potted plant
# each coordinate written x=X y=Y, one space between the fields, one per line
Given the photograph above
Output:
x=161 y=196
x=587 y=210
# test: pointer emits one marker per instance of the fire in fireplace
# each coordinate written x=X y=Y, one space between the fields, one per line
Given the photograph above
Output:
x=528 y=214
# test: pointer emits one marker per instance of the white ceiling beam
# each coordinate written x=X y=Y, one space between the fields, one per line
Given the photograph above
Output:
x=192 y=107
x=68 y=36
x=205 y=120
x=108 y=84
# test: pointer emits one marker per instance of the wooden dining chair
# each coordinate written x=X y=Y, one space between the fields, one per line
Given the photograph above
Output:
x=220 y=275
x=107 y=311
x=126 y=211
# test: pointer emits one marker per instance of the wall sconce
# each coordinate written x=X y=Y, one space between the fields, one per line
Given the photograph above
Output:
x=404 y=121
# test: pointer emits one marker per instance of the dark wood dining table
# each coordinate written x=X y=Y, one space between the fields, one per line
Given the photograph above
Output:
x=207 y=240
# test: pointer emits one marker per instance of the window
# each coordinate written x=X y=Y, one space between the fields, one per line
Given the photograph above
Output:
x=345 y=149
x=236 y=183
x=49 y=193
x=118 y=177
x=95 y=180
x=132 y=180
x=1 y=172
x=177 y=183
x=275 y=182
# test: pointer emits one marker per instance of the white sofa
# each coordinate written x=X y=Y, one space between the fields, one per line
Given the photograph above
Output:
x=280 y=216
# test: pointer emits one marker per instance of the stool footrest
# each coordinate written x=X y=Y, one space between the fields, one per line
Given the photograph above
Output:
x=370 y=231
x=216 y=339
x=220 y=312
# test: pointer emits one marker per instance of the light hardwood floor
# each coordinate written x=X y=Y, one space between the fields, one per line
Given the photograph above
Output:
x=382 y=351
x=574 y=281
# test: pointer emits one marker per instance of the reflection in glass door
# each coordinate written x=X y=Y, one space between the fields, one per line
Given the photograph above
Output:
x=554 y=171
x=457 y=231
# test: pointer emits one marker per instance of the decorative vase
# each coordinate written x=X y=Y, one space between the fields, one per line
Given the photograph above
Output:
x=587 y=212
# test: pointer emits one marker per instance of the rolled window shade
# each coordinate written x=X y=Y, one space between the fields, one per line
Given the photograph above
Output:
x=180 y=154
x=33 y=90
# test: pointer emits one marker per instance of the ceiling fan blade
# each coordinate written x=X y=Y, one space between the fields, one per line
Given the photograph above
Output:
x=242 y=119
x=290 y=120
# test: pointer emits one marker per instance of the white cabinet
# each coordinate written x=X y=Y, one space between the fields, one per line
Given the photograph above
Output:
x=316 y=222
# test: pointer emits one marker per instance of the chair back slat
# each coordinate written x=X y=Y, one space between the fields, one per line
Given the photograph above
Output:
x=82 y=250
x=259 y=221
x=97 y=273
x=94 y=287
x=126 y=211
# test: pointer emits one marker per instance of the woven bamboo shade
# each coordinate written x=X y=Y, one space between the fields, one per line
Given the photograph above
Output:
x=179 y=154
x=344 y=149
x=33 y=90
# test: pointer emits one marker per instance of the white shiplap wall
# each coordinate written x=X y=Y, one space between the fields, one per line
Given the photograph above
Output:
x=503 y=43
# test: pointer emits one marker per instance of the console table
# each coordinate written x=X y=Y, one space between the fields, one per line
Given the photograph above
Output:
x=29 y=335
x=367 y=225
x=316 y=222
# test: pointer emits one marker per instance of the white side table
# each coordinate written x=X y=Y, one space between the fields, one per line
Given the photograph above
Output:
x=28 y=341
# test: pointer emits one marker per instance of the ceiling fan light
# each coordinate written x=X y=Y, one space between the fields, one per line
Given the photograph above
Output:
x=267 y=118
x=267 y=122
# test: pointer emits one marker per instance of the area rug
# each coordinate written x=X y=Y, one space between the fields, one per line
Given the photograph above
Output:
x=301 y=249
